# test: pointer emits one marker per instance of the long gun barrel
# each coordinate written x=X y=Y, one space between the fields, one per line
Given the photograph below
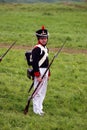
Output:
x=34 y=92
x=7 y=51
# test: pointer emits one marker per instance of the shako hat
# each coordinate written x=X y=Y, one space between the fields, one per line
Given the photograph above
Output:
x=42 y=32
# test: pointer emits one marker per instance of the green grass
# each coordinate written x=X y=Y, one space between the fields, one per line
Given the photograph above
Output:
x=66 y=100
x=20 y=21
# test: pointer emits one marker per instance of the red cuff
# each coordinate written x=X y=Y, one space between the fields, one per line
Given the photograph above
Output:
x=49 y=73
x=37 y=74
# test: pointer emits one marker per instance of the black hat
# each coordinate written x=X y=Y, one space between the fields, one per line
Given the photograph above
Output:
x=42 y=32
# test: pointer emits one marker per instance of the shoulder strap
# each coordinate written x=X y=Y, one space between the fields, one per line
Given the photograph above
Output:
x=45 y=55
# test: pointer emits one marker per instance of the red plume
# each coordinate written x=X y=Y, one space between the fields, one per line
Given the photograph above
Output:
x=43 y=27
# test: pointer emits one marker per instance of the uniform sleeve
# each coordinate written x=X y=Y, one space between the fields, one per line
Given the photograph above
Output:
x=35 y=56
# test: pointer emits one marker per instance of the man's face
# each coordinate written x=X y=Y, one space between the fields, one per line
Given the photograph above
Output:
x=43 y=40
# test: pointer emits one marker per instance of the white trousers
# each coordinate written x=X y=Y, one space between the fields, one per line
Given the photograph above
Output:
x=40 y=93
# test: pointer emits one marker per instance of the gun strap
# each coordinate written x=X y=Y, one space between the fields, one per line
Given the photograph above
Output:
x=45 y=55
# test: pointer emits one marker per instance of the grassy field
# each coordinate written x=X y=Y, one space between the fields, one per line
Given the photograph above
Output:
x=66 y=100
x=20 y=21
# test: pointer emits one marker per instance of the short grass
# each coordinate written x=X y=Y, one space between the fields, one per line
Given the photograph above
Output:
x=20 y=21
x=66 y=100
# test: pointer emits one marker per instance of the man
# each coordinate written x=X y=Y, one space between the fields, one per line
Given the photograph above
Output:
x=40 y=63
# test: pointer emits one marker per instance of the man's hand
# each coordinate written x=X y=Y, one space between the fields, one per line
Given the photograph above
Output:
x=39 y=79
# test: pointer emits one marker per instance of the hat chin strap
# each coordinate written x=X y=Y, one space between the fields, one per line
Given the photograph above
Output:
x=41 y=43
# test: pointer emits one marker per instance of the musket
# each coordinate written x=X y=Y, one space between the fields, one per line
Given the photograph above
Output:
x=7 y=51
x=31 y=87
x=35 y=90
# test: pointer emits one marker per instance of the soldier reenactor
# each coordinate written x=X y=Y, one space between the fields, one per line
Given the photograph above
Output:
x=40 y=63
